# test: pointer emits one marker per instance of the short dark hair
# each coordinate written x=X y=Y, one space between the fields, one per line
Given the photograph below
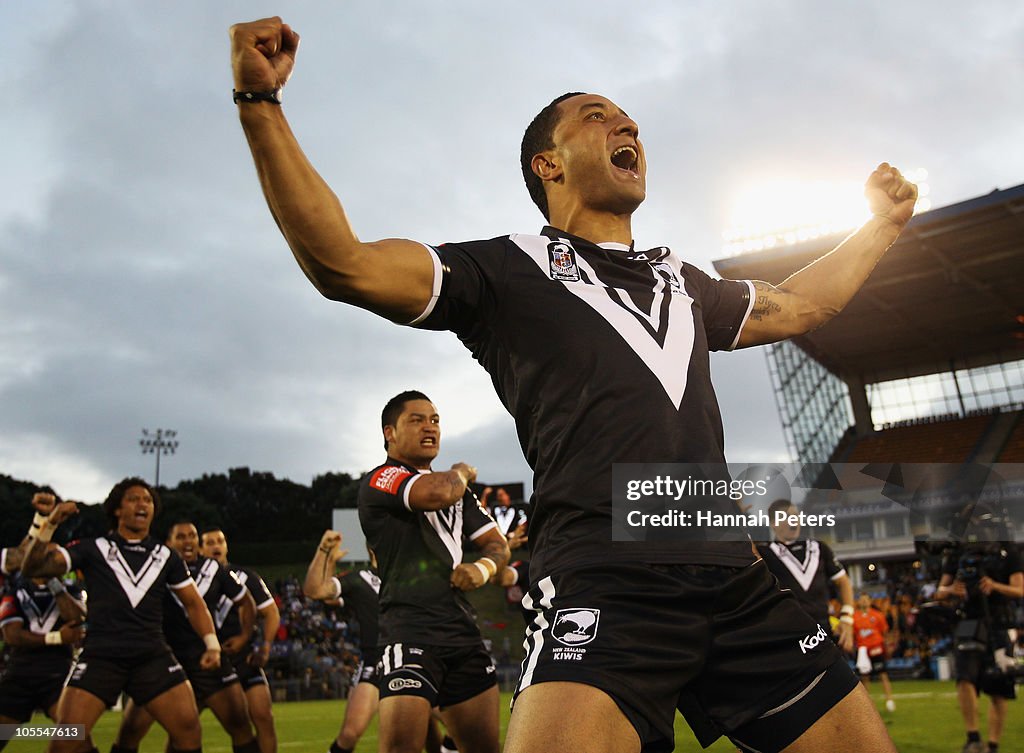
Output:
x=776 y=506
x=394 y=407
x=181 y=522
x=113 y=501
x=538 y=137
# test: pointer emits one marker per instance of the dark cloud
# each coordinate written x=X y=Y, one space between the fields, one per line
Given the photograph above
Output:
x=143 y=282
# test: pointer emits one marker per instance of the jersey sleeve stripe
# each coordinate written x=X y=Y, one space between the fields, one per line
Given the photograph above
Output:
x=482 y=530
x=265 y=604
x=840 y=574
x=752 y=294
x=408 y=488
x=67 y=558
x=12 y=618
x=3 y=562
x=336 y=588
x=184 y=584
x=435 y=292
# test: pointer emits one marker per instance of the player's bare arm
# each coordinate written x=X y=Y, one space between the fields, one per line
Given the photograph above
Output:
x=318 y=584
x=810 y=297
x=436 y=491
x=201 y=621
x=41 y=558
x=246 y=620
x=845 y=588
x=307 y=211
x=70 y=609
x=15 y=634
x=271 y=617
x=494 y=555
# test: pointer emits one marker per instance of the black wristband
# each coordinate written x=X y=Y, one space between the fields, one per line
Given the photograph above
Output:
x=274 y=96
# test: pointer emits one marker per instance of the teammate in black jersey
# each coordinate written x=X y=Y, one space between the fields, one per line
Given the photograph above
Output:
x=41 y=620
x=128 y=573
x=600 y=350
x=808 y=569
x=415 y=522
x=359 y=590
x=217 y=688
x=247 y=660
x=511 y=518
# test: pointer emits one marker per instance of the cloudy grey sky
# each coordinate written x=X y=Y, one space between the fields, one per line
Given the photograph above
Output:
x=144 y=284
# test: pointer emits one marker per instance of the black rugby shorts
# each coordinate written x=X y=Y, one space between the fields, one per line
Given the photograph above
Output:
x=722 y=644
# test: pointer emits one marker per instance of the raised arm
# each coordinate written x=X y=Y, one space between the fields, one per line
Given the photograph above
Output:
x=318 y=584
x=810 y=297
x=393 y=278
x=43 y=559
x=436 y=491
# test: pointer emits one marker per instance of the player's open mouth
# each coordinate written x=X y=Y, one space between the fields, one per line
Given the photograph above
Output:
x=627 y=158
x=429 y=442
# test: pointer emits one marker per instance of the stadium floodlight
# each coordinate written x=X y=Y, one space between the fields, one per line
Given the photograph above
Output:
x=785 y=212
x=162 y=442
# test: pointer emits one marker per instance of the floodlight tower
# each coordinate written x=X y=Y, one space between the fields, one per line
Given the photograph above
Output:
x=162 y=442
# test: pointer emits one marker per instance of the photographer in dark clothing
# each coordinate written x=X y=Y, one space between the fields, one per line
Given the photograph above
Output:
x=985 y=573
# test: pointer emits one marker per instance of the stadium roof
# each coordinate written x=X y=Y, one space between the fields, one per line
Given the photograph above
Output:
x=951 y=290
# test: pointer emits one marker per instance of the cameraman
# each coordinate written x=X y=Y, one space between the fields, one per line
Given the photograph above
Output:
x=985 y=574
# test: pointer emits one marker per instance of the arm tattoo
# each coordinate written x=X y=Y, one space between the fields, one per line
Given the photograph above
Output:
x=764 y=305
x=497 y=551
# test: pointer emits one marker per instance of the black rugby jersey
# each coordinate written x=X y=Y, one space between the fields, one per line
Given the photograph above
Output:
x=36 y=609
x=601 y=355
x=225 y=616
x=359 y=591
x=805 y=567
x=214 y=584
x=127 y=581
x=416 y=552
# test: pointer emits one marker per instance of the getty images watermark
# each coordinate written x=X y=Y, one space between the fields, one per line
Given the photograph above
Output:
x=730 y=502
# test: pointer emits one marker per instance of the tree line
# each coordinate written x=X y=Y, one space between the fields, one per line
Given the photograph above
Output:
x=254 y=508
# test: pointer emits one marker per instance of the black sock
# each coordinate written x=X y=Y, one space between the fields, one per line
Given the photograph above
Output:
x=115 y=748
x=449 y=743
x=250 y=747
x=993 y=747
x=335 y=748
x=973 y=737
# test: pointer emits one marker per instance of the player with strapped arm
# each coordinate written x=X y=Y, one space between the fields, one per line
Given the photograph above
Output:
x=359 y=590
x=247 y=660
x=128 y=573
x=41 y=620
x=215 y=688
x=600 y=351
x=415 y=522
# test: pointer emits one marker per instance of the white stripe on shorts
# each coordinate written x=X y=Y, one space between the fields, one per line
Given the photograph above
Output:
x=534 y=642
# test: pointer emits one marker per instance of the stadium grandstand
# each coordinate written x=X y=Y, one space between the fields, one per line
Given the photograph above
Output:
x=925 y=365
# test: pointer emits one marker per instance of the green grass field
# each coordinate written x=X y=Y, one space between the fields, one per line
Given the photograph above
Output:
x=926 y=721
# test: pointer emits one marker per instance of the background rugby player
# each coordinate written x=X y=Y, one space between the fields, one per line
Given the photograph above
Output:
x=808 y=569
x=359 y=590
x=415 y=522
x=127 y=573
x=247 y=660
x=41 y=621
x=601 y=351
x=216 y=688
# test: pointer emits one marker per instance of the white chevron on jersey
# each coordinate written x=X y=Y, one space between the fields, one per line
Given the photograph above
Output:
x=39 y=622
x=805 y=571
x=447 y=523
x=638 y=328
x=134 y=584
x=206 y=575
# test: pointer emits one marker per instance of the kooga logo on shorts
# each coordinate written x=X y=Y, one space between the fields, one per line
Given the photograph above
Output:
x=809 y=642
x=401 y=683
